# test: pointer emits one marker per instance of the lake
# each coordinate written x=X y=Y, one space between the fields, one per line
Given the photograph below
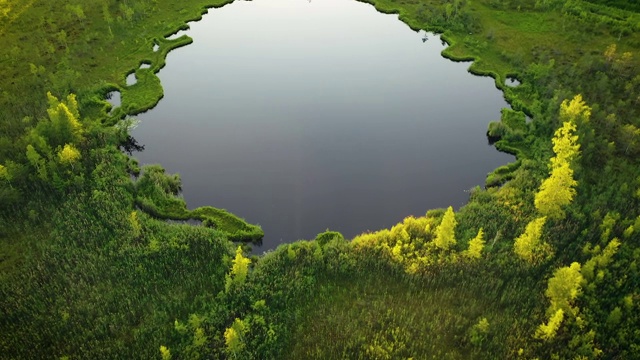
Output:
x=303 y=116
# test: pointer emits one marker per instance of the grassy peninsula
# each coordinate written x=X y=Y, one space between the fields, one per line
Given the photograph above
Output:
x=542 y=263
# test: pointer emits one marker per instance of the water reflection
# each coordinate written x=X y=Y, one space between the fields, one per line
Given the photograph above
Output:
x=130 y=145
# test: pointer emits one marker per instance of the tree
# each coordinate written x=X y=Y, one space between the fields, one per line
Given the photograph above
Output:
x=239 y=270
x=165 y=354
x=68 y=155
x=199 y=338
x=548 y=331
x=629 y=139
x=38 y=162
x=445 y=233
x=233 y=337
x=476 y=245
x=565 y=143
x=600 y=260
x=578 y=113
x=64 y=125
x=479 y=332
x=54 y=141
x=528 y=245
x=558 y=190
x=564 y=287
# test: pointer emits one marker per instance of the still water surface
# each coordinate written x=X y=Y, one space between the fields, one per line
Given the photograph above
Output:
x=306 y=115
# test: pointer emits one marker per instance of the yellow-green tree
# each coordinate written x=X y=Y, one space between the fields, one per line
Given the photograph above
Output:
x=199 y=338
x=600 y=260
x=445 y=233
x=476 y=245
x=233 y=338
x=548 y=331
x=576 y=110
x=239 y=270
x=565 y=142
x=165 y=354
x=529 y=246
x=55 y=141
x=558 y=190
x=63 y=125
x=564 y=287
x=68 y=155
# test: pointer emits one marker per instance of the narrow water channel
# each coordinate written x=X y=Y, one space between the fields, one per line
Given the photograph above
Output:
x=303 y=116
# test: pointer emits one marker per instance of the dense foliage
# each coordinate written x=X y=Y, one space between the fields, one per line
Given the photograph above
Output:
x=633 y=5
x=96 y=260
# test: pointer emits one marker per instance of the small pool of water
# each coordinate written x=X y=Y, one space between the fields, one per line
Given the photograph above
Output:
x=305 y=116
x=131 y=79
x=512 y=82
x=113 y=98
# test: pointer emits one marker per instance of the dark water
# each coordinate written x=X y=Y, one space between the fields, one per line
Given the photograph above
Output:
x=305 y=116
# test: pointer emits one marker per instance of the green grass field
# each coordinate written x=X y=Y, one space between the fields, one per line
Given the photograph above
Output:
x=380 y=316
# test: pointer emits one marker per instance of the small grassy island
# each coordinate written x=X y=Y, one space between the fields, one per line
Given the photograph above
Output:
x=96 y=261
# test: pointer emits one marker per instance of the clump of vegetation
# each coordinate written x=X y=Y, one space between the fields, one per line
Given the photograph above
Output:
x=157 y=193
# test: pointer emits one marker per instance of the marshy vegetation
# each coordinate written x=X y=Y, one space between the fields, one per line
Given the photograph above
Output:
x=89 y=268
